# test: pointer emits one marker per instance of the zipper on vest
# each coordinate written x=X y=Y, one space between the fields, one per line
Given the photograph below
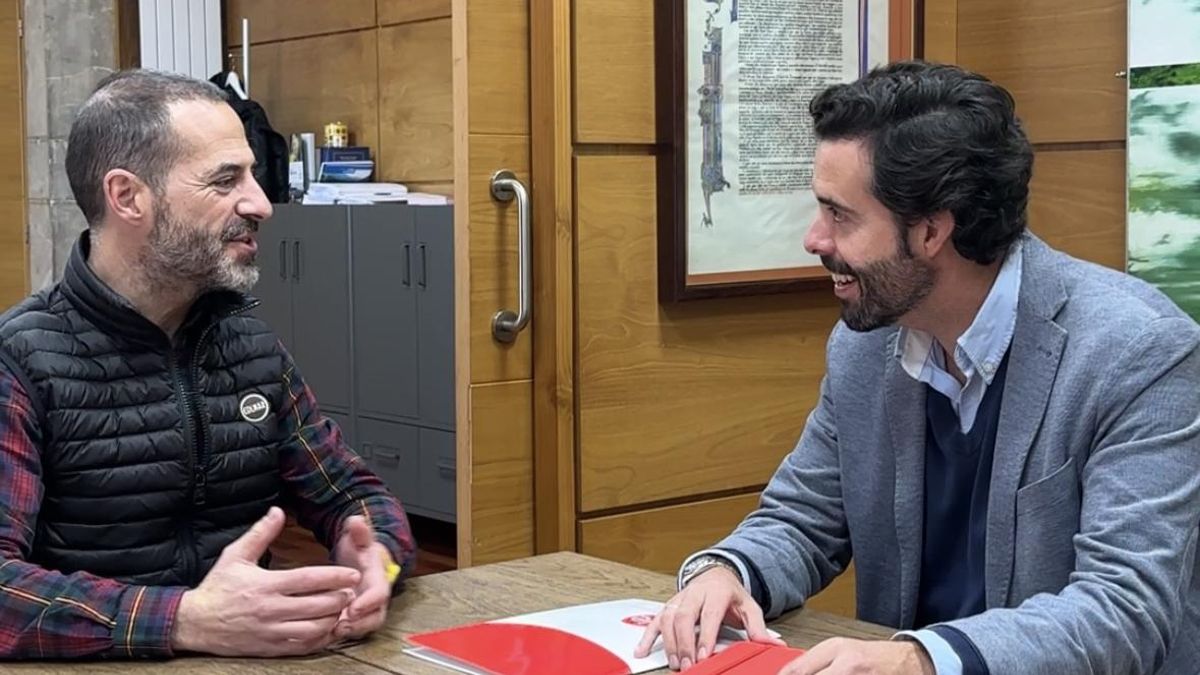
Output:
x=187 y=382
x=192 y=556
x=195 y=403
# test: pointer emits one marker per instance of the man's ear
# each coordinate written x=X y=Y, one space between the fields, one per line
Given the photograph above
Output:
x=933 y=234
x=127 y=197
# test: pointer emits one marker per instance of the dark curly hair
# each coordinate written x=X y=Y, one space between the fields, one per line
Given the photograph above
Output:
x=940 y=138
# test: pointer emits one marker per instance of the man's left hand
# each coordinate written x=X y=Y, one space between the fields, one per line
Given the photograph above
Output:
x=358 y=549
x=842 y=656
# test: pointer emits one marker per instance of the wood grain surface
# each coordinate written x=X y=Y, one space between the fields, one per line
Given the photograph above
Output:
x=1059 y=60
x=274 y=20
x=322 y=664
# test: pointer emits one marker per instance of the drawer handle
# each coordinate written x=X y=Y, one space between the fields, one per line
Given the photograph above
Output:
x=446 y=468
x=424 y=282
x=392 y=456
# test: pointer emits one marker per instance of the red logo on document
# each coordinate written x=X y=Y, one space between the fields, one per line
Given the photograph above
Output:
x=642 y=620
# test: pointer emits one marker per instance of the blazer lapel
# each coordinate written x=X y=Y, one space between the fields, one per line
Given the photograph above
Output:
x=906 y=421
x=1035 y=353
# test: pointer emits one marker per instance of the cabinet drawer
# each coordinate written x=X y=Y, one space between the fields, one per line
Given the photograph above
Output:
x=390 y=450
x=438 y=484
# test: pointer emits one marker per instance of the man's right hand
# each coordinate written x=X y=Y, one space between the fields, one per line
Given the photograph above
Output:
x=241 y=609
x=714 y=597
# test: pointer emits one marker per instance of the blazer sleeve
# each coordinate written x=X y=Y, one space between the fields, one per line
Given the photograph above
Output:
x=797 y=539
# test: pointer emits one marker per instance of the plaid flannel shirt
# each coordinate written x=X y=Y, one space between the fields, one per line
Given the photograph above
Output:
x=47 y=614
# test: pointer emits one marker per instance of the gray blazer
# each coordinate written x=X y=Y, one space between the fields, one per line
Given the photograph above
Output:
x=1094 y=506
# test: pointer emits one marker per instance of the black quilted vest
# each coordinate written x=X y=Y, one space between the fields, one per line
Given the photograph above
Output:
x=148 y=464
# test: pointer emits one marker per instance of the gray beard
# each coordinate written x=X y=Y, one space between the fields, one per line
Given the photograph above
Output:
x=186 y=259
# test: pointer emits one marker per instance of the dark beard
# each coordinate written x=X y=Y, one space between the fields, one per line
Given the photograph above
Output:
x=887 y=289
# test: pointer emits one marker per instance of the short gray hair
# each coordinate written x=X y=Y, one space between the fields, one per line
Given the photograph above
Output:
x=126 y=124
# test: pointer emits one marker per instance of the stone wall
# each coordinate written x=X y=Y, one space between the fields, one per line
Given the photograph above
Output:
x=70 y=45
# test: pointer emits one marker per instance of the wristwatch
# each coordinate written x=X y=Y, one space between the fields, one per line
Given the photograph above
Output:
x=703 y=563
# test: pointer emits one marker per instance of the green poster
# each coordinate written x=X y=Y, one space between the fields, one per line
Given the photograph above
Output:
x=1164 y=153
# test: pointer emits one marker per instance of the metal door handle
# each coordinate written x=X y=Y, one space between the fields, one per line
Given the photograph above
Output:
x=296 y=261
x=283 y=260
x=506 y=324
x=407 y=265
x=424 y=282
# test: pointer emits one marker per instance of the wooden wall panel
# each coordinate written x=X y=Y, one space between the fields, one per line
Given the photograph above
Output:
x=403 y=11
x=498 y=66
x=434 y=188
x=416 y=129
x=680 y=400
x=553 y=170
x=12 y=107
x=1077 y=203
x=14 y=249
x=14 y=253
x=272 y=20
x=493 y=258
x=614 y=71
x=941 y=31
x=305 y=84
x=660 y=539
x=1059 y=59
x=501 y=478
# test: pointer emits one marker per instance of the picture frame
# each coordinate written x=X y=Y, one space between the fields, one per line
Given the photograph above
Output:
x=733 y=207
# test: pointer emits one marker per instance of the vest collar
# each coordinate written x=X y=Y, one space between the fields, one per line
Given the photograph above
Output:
x=115 y=315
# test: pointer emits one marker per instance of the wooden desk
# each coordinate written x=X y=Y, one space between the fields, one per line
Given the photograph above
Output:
x=546 y=582
x=323 y=664
x=476 y=594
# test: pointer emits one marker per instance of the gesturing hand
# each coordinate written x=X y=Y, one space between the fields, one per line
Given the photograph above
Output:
x=357 y=549
x=241 y=609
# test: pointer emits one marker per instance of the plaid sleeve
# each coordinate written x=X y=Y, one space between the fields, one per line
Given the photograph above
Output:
x=326 y=482
x=46 y=614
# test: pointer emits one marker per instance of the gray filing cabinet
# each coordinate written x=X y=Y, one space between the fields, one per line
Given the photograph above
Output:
x=363 y=296
x=304 y=287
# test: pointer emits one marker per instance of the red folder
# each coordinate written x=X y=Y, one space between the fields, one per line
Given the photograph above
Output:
x=594 y=639
x=747 y=658
x=514 y=649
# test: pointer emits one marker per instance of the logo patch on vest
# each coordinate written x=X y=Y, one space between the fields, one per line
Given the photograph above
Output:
x=254 y=407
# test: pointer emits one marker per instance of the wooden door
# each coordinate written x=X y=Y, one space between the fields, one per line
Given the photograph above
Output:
x=495 y=380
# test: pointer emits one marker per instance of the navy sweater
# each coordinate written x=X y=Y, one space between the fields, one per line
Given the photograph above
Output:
x=958 y=474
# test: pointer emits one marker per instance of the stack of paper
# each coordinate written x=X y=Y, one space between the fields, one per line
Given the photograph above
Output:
x=355 y=193
x=427 y=199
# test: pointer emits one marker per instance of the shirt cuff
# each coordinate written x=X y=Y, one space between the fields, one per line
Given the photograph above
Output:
x=407 y=563
x=145 y=620
x=740 y=566
x=945 y=659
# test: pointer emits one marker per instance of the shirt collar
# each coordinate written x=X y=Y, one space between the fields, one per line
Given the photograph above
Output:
x=982 y=346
